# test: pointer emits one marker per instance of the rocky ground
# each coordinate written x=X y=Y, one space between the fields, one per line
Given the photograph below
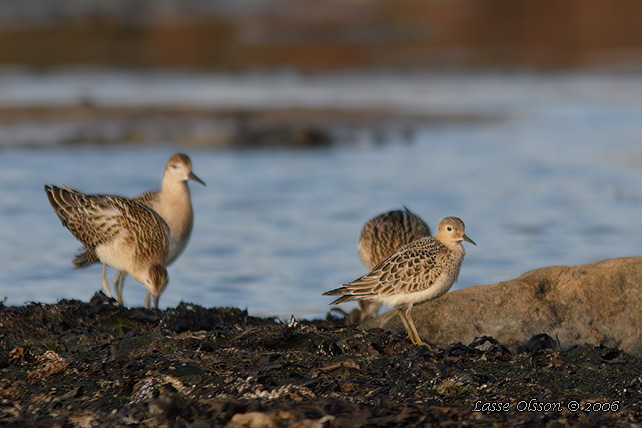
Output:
x=76 y=364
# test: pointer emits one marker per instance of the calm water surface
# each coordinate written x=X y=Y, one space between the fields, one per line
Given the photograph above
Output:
x=558 y=182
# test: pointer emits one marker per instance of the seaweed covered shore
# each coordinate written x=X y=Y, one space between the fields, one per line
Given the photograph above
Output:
x=77 y=364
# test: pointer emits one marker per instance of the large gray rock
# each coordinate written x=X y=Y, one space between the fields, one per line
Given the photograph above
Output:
x=595 y=303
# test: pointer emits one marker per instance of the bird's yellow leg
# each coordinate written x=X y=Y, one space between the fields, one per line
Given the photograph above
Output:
x=104 y=281
x=406 y=325
x=119 y=284
x=147 y=300
x=417 y=340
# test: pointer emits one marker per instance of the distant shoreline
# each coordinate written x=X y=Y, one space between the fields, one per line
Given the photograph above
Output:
x=402 y=35
x=213 y=127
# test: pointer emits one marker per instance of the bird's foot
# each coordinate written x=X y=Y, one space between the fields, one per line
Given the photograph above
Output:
x=422 y=343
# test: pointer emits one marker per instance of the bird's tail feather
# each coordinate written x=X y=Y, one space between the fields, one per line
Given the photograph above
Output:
x=84 y=259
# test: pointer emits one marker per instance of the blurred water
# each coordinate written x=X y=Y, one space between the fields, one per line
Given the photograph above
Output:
x=556 y=183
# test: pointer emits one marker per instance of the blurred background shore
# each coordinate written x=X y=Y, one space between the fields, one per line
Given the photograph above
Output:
x=326 y=35
x=286 y=37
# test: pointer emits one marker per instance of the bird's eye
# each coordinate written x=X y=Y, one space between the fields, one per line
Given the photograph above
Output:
x=175 y=166
x=449 y=229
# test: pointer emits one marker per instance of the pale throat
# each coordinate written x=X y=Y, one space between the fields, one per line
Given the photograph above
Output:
x=175 y=206
x=455 y=246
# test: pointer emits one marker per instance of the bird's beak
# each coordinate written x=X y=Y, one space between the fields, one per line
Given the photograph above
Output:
x=193 y=176
x=466 y=238
x=156 y=298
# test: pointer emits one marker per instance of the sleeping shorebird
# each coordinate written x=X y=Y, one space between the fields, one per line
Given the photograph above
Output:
x=174 y=204
x=119 y=232
x=420 y=271
x=383 y=235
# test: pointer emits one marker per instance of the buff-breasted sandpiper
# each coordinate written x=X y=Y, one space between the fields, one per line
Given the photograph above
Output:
x=420 y=271
x=383 y=235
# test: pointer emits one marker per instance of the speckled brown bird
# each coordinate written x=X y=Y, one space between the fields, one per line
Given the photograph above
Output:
x=173 y=202
x=119 y=232
x=383 y=235
x=420 y=271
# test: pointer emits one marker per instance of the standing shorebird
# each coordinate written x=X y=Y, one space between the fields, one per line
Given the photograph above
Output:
x=420 y=271
x=174 y=204
x=383 y=235
x=119 y=232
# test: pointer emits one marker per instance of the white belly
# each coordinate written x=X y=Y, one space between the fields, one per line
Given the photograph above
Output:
x=439 y=288
x=115 y=256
